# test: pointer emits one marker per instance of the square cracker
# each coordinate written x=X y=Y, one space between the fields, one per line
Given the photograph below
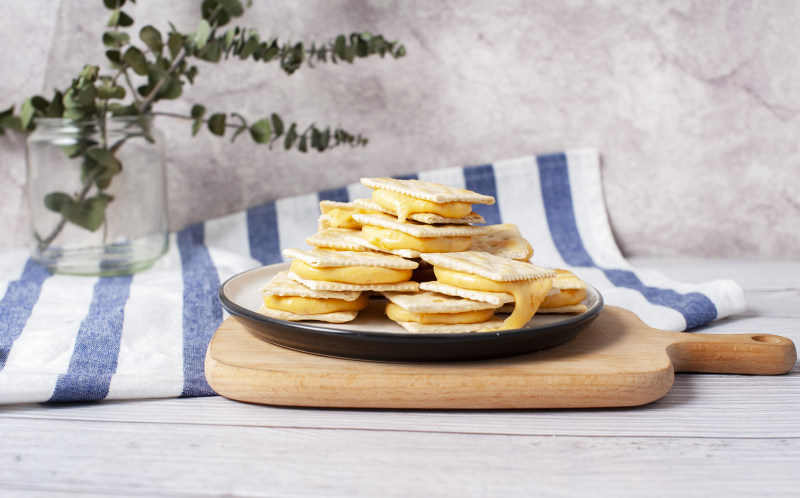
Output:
x=565 y=279
x=491 y=324
x=417 y=229
x=345 y=239
x=335 y=317
x=428 y=191
x=503 y=240
x=326 y=258
x=282 y=285
x=427 y=218
x=434 y=302
x=488 y=266
x=408 y=286
x=493 y=298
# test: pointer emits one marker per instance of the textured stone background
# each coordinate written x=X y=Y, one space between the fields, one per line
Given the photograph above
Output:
x=694 y=106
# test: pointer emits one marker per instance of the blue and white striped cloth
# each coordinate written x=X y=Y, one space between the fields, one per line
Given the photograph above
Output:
x=65 y=338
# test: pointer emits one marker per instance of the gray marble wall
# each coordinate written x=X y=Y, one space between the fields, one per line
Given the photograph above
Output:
x=694 y=106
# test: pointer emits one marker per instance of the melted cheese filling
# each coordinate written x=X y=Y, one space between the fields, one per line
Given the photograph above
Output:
x=566 y=297
x=351 y=274
x=528 y=294
x=388 y=238
x=398 y=314
x=402 y=205
x=315 y=306
x=343 y=217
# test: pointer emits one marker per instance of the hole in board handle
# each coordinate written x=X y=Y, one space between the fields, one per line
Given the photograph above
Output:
x=767 y=339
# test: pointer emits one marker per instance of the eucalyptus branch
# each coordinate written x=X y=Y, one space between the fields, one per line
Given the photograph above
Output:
x=164 y=64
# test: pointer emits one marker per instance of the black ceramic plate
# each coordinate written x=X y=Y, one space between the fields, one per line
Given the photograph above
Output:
x=372 y=336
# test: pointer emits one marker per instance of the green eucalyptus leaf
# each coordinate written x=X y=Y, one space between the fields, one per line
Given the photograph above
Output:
x=212 y=52
x=115 y=39
x=198 y=111
x=212 y=11
x=136 y=60
x=115 y=56
x=105 y=158
x=56 y=201
x=174 y=43
x=261 y=131
x=124 y=20
x=26 y=113
x=89 y=214
x=232 y=7
x=113 y=20
x=216 y=124
x=302 y=146
x=202 y=34
x=277 y=124
x=152 y=38
x=113 y=4
x=110 y=91
x=291 y=136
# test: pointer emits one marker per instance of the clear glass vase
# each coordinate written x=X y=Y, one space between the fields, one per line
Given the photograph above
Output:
x=97 y=195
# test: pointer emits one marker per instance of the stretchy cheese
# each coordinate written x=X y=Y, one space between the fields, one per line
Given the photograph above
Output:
x=390 y=239
x=566 y=297
x=314 y=306
x=351 y=274
x=528 y=294
x=398 y=314
x=403 y=205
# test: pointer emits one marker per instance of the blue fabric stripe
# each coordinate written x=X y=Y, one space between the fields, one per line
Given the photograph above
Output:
x=336 y=194
x=94 y=358
x=262 y=230
x=409 y=176
x=202 y=312
x=481 y=179
x=696 y=308
x=17 y=305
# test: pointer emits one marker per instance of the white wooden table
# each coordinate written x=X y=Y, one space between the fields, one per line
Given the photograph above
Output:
x=711 y=435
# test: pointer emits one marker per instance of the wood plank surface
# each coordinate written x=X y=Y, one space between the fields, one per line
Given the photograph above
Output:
x=710 y=435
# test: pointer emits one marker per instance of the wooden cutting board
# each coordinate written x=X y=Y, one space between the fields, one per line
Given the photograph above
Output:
x=617 y=361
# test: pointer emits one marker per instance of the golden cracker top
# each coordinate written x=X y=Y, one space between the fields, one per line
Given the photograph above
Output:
x=503 y=240
x=282 y=285
x=419 y=229
x=434 y=302
x=325 y=258
x=487 y=265
x=427 y=218
x=346 y=239
x=428 y=191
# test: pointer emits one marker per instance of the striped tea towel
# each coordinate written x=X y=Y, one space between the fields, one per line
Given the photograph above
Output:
x=65 y=338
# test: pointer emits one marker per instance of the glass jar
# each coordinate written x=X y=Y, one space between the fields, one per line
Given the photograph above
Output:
x=97 y=195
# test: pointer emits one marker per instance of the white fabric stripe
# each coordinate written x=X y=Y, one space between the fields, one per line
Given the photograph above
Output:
x=303 y=211
x=590 y=209
x=229 y=233
x=152 y=333
x=44 y=348
x=453 y=177
x=727 y=295
x=520 y=202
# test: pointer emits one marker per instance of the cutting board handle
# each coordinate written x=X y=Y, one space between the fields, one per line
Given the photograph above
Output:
x=758 y=354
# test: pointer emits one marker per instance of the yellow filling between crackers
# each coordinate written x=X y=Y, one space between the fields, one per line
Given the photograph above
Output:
x=315 y=306
x=398 y=314
x=566 y=297
x=351 y=274
x=390 y=239
x=528 y=294
x=343 y=217
x=403 y=205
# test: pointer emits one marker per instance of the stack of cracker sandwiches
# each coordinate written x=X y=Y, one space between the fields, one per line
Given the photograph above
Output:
x=420 y=247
